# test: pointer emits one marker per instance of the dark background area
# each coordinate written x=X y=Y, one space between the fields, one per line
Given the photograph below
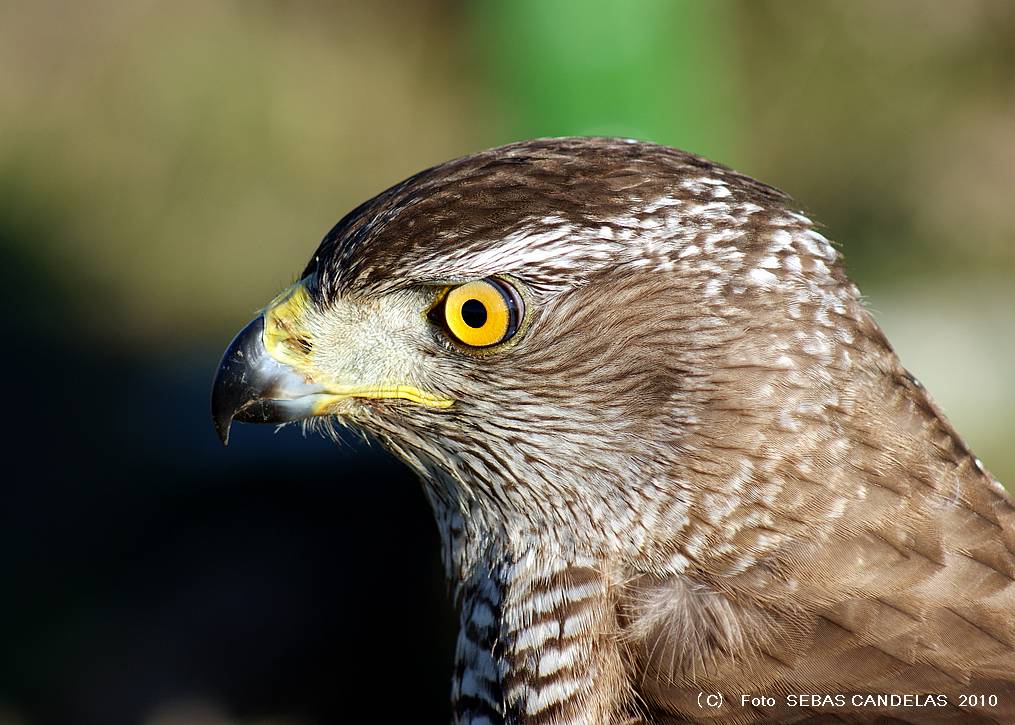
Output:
x=165 y=169
x=152 y=576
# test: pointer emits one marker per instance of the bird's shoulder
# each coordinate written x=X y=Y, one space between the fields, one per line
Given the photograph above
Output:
x=894 y=574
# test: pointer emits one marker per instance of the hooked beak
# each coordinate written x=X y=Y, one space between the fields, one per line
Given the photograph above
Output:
x=267 y=374
x=251 y=386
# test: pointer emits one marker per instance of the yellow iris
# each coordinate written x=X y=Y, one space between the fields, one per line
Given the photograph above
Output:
x=480 y=314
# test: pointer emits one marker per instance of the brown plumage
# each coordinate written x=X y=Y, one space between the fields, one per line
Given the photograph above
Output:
x=697 y=468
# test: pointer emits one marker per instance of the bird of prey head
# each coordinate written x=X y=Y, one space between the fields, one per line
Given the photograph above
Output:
x=669 y=451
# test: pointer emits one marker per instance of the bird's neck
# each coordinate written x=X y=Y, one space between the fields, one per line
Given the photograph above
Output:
x=537 y=631
x=538 y=625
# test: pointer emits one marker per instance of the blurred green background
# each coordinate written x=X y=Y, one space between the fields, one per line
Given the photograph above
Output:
x=165 y=168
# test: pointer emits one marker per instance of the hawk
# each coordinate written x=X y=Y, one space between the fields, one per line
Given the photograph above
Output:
x=679 y=473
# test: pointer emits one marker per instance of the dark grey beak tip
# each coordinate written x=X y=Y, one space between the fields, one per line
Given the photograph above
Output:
x=222 y=427
x=253 y=387
x=233 y=388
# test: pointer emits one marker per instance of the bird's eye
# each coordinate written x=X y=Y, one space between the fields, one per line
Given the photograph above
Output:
x=481 y=313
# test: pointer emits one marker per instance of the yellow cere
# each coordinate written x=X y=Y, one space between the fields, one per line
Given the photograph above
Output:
x=284 y=332
x=477 y=314
x=286 y=339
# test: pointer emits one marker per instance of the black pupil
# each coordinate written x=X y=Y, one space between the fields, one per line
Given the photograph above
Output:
x=474 y=313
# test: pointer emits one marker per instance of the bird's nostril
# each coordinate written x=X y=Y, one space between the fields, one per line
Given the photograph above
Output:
x=299 y=345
